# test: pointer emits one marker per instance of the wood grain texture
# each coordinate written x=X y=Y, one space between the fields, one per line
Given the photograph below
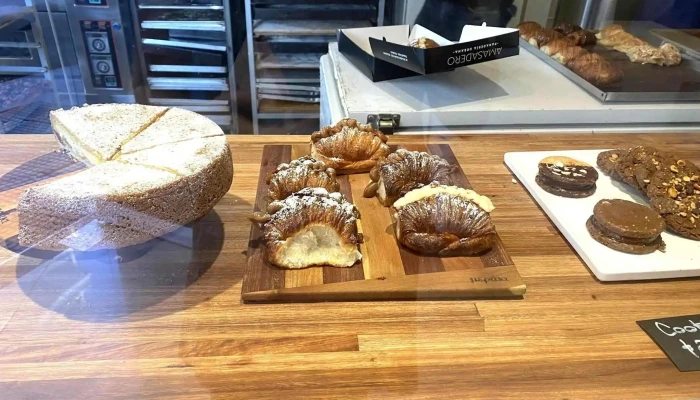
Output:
x=387 y=269
x=169 y=323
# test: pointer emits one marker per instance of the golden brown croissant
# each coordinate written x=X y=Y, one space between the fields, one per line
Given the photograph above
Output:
x=349 y=147
x=568 y=54
x=595 y=69
x=566 y=28
x=544 y=36
x=556 y=46
x=609 y=31
x=311 y=227
x=298 y=174
x=528 y=29
x=404 y=171
x=444 y=220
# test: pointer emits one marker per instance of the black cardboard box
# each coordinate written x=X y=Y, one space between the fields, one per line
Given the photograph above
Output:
x=383 y=53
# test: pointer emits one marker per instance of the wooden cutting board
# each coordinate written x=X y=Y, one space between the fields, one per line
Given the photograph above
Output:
x=387 y=271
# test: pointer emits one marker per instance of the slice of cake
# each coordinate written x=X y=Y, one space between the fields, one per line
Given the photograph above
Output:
x=175 y=126
x=95 y=133
x=110 y=205
x=204 y=163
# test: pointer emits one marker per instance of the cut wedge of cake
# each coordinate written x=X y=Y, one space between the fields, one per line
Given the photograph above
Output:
x=174 y=126
x=95 y=133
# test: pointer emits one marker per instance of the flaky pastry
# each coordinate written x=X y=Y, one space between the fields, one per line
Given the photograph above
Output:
x=298 y=174
x=403 y=171
x=312 y=227
x=349 y=147
x=444 y=220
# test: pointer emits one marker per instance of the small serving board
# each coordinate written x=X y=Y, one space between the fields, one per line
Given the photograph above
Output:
x=387 y=271
x=682 y=256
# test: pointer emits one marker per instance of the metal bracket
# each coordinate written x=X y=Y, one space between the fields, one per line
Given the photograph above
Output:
x=386 y=123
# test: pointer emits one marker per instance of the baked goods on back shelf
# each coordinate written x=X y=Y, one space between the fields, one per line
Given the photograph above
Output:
x=566 y=28
x=311 y=227
x=444 y=220
x=595 y=69
x=556 y=46
x=349 y=147
x=637 y=49
x=403 y=171
x=125 y=199
x=582 y=38
x=529 y=29
x=299 y=174
x=545 y=36
x=568 y=54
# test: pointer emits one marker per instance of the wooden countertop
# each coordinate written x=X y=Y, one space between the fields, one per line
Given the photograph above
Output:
x=169 y=323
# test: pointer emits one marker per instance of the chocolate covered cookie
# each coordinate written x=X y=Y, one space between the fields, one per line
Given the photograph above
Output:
x=626 y=226
x=566 y=177
x=674 y=192
x=608 y=159
x=630 y=160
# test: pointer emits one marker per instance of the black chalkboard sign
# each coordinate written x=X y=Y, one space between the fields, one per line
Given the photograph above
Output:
x=678 y=337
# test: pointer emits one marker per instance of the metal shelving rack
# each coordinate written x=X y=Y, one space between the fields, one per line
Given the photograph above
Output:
x=285 y=40
x=200 y=33
x=24 y=21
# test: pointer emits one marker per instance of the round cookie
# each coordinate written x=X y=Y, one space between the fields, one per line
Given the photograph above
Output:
x=674 y=192
x=566 y=177
x=635 y=156
x=648 y=167
x=626 y=226
x=608 y=159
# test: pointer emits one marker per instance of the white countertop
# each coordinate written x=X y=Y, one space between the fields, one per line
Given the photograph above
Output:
x=515 y=94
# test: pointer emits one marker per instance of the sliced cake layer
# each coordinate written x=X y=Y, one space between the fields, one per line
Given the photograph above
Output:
x=95 y=133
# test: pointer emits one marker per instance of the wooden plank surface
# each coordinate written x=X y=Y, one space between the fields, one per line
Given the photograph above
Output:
x=385 y=270
x=170 y=324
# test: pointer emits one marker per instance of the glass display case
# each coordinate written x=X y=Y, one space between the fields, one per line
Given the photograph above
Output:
x=324 y=199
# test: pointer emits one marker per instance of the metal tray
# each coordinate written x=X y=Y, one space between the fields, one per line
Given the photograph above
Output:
x=641 y=82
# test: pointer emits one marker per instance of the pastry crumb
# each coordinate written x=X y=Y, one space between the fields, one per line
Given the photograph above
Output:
x=515 y=182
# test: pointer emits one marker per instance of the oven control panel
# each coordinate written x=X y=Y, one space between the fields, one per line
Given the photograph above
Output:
x=102 y=59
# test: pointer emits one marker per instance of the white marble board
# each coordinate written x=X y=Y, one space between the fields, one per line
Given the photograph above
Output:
x=682 y=256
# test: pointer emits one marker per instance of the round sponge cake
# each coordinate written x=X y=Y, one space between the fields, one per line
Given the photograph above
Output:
x=166 y=181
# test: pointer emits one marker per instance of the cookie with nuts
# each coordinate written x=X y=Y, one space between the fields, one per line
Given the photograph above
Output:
x=649 y=166
x=630 y=160
x=566 y=177
x=608 y=159
x=674 y=192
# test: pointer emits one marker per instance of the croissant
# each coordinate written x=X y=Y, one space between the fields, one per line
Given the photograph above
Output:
x=582 y=38
x=568 y=54
x=609 y=31
x=444 y=220
x=672 y=54
x=529 y=29
x=311 y=227
x=298 y=174
x=404 y=171
x=595 y=69
x=349 y=147
x=556 y=46
x=544 y=36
